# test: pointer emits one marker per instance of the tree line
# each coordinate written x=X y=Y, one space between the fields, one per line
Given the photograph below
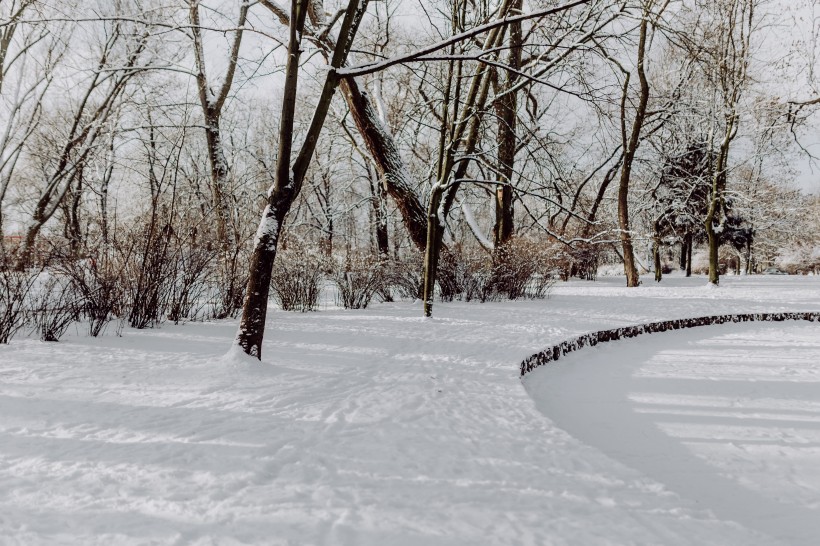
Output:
x=183 y=160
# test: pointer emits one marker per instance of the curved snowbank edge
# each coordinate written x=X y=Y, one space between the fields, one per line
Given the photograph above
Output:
x=555 y=352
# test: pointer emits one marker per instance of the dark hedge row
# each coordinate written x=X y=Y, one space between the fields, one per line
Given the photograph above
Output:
x=588 y=340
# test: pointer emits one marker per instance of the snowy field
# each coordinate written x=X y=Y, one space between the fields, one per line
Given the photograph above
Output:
x=378 y=427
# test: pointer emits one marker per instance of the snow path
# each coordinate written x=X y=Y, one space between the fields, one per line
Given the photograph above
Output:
x=363 y=427
x=726 y=416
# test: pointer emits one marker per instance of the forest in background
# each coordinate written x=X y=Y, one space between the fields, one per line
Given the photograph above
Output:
x=183 y=160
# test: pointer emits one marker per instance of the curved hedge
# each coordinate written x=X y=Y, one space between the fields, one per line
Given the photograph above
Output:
x=556 y=351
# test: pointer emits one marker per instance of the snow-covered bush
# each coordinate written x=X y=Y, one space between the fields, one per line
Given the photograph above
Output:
x=799 y=259
x=297 y=276
x=358 y=277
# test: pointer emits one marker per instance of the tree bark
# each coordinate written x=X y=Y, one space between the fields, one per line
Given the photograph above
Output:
x=391 y=168
x=716 y=202
x=507 y=113
x=630 y=148
x=656 y=253
x=689 y=255
x=433 y=248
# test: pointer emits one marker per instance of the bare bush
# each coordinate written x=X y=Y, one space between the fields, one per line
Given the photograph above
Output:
x=584 y=259
x=99 y=284
x=404 y=276
x=54 y=305
x=296 y=280
x=465 y=273
x=233 y=277
x=145 y=255
x=358 y=278
x=14 y=289
x=193 y=268
x=522 y=268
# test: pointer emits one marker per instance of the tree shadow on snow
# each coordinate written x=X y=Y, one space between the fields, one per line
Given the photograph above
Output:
x=592 y=395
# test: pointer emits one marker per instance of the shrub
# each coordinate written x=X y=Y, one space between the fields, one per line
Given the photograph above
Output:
x=100 y=286
x=523 y=268
x=190 y=289
x=15 y=286
x=584 y=259
x=297 y=279
x=148 y=269
x=358 y=278
x=404 y=275
x=54 y=305
x=465 y=273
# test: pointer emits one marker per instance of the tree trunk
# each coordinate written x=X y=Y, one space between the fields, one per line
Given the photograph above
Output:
x=716 y=204
x=219 y=181
x=656 y=254
x=432 y=250
x=389 y=164
x=507 y=113
x=73 y=221
x=689 y=246
x=378 y=213
x=630 y=148
x=255 y=306
x=280 y=198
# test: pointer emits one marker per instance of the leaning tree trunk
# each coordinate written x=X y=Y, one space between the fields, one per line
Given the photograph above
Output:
x=391 y=168
x=288 y=178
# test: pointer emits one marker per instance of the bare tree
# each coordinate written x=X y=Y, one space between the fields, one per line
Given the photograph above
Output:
x=722 y=45
x=212 y=98
x=290 y=173
x=119 y=59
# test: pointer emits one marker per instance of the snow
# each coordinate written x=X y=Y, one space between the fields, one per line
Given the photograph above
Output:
x=726 y=417
x=380 y=427
x=268 y=229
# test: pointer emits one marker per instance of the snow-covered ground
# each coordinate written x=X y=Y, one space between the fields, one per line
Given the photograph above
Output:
x=379 y=427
